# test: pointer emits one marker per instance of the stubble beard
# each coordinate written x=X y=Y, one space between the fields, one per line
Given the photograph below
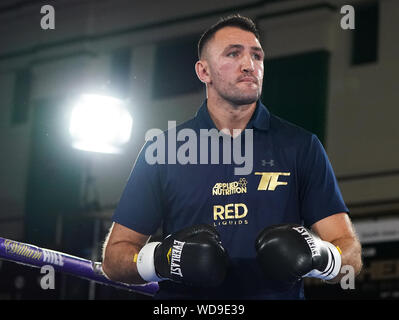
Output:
x=238 y=97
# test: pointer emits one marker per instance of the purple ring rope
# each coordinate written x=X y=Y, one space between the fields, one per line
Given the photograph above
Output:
x=34 y=256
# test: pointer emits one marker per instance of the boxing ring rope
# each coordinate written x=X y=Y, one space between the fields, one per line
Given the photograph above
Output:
x=33 y=256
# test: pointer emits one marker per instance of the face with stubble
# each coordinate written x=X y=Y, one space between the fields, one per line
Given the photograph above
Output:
x=232 y=66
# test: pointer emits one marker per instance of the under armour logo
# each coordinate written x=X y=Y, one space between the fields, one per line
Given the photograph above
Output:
x=270 y=163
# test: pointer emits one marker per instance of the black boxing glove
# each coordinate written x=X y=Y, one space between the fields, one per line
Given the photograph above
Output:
x=289 y=252
x=192 y=256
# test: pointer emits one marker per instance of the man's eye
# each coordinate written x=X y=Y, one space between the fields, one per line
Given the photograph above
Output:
x=257 y=56
x=232 y=54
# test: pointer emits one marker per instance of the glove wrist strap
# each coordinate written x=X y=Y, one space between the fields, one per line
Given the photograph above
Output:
x=333 y=266
x=145 y=263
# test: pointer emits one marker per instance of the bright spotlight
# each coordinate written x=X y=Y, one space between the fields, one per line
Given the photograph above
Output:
x=100 y=124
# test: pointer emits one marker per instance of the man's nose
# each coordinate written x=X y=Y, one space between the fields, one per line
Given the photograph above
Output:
x=247 y=64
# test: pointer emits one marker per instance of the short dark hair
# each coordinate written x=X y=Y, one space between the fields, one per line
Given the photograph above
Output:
x=235 y=20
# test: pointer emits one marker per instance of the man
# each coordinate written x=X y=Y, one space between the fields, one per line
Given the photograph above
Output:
x=222 y=225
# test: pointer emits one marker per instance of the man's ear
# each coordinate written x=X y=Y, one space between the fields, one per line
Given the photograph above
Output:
x=202 y=71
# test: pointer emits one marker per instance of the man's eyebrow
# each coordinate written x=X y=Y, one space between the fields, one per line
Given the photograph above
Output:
x=257 y=49
x=234 y=46
x=240 y=46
